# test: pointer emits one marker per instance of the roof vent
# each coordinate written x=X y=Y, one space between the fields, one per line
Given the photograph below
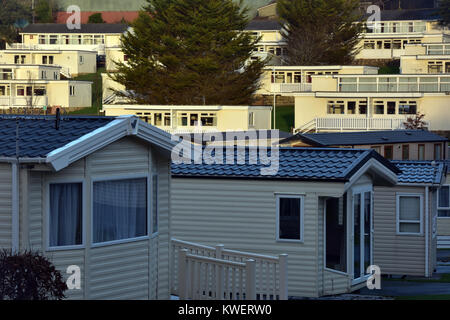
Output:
x=57 y=119
x=384 y=138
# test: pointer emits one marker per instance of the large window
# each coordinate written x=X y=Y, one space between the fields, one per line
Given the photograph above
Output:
x=389 y=152
x=444 y=201
x=65 y=220
x=409 y=214
x=290 y=218
x=437 y=151
x=336 y=233
x=119 y=209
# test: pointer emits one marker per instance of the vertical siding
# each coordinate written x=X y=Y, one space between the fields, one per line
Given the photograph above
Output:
x=241 y=214
x=5 y=205
x=396 y=254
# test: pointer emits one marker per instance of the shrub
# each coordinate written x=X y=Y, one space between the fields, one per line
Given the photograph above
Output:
x=96 y=18
x=29 y=275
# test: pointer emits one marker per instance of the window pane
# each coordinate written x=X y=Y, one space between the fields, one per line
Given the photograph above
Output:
x=65 y=214
x=443 y=213
x=120 y=209
x=444 y=197
x=410 y=227
x=289 y=218
x=410 y=208
x=336 y=234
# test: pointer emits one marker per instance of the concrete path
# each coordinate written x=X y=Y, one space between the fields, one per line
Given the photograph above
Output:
x=408 y=288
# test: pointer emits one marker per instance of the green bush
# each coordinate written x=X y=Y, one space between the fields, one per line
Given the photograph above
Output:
x=29 y=276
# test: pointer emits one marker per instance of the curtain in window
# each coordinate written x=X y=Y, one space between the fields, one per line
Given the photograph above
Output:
x=65 y=214
x=289 y=218
x=120 y=209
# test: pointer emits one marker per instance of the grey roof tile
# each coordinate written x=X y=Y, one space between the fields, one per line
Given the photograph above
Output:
x=422 y=172
x=38 y=135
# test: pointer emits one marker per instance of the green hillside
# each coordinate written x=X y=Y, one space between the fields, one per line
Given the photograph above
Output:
x=133 y=5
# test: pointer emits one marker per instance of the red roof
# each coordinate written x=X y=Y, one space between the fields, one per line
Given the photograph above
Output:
x=108 y=16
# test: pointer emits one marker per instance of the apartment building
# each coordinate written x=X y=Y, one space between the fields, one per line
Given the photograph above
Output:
x=72 y=62
x=40 y=86
x=91 y=37
x=388 y=38
x=426 y=58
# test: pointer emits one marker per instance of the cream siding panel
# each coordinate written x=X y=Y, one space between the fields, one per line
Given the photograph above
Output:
x=443 y=226
x=5 y=205
x=335 y=283
x=241 y=214
x=396 y=254
x=162 y=242
x=119 y=271
x=62 y=260
x=36 y=241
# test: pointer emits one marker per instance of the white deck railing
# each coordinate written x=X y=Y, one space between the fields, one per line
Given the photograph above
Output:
x=291 y=87
x=344 y=124
x=203 y=272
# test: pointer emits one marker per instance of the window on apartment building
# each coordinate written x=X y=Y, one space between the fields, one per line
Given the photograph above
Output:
x=335 y=107
x=20 y=91
x=362 y=106
x=125 y=57
x=336 y=233
x=369 y=44
x=409 y=213
x=376 y=148
x=51 y=59
x=16 y=59
x=437 y=151
x=65 y=214
x=119 y=209
x=397 y=44
x=72 y=90
x=387 y=44
x=405 y=152
x=99 y=39
x=39 y=91
x=43 y=74
x=53 y=39
x=167 y=119
x=421 y=152
x=435 y=67
x=351 y=107
x=55 y=75
x=2 y=90
x=183 y=120
x=391 y=107
x=278 y=51
x=44 y=60
x=379 y=45
x=155 y=216
x=289 y=218
x=379 y=107
x=251 y=119
x=158 y=119
x=42 y=39
x=193 y=119
x=208 y=119
x=389 y=152
x=29 y=91
x=406 y=107
x=81 y=59
x=444 y=201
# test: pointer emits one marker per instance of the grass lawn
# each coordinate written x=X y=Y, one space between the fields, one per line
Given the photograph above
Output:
x=96 y=79
x=284 y=118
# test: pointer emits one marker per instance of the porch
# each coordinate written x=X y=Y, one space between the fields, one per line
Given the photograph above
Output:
x=351 y=123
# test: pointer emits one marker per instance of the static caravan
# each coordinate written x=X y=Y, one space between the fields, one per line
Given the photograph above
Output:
x=405 y=220
x=316 y=205
x=91 y=192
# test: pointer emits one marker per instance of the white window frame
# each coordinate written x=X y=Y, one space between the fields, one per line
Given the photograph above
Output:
x=72 y=90
x=397 y=213
x=442 y=208
x=48 y=247
x=149 y=216
x=251 y=119
x=302 y=210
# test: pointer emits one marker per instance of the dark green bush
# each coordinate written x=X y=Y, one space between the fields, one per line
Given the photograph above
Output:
x=29 y=275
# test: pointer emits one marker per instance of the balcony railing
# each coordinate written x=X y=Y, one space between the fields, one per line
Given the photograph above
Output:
x=394 y=84
x=291 y=87
x=353 y=123
x=35 y=101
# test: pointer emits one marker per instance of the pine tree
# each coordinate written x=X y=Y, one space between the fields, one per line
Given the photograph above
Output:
x=444 y=12
x=189 y=52
x=320 y=32
x=12 y=14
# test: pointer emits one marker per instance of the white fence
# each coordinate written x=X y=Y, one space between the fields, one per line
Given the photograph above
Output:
x=202 y=272
x=344 y=124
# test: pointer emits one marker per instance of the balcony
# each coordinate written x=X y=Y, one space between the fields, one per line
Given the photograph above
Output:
x=291 y=87
x=352 y=124
x=36 y=101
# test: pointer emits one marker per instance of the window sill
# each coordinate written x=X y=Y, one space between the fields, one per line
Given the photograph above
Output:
x=116 y=242
x=64 y=248
x=290 y=241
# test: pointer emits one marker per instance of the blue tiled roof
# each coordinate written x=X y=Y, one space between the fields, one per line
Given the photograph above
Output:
x=366 y=137
x=38 y=136
x=423 y=172
x=294 y=163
